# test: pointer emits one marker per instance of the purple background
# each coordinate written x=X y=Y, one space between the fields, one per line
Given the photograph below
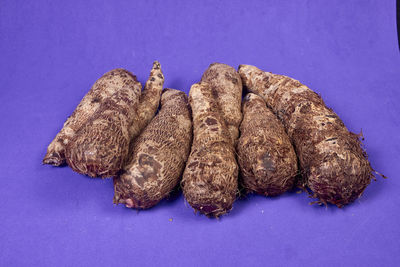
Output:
x=53 y=51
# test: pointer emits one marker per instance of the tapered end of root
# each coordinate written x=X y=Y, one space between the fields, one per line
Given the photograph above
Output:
x=54 y=159
x=131 y=196
x=211 y=208
x=156 y=65
x=156 y=78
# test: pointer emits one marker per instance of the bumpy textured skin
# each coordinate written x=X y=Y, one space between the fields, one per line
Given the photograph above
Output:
x=103 y=88
x=334 y=165
x=100 y=147
x=210 y=179
x=102 y=144
x=159 y=155
x=226 y=87
x=267 y=160
x=149 y=99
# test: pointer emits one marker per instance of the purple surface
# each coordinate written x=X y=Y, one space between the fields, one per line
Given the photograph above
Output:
x=53 y=51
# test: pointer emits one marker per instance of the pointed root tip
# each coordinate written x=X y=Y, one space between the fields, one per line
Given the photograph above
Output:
x=156 y=65
x=53 y=160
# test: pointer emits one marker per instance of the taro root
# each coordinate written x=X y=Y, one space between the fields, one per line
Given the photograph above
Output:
x=334 y=165
x=149 y=99
x=226 y=88
x=103 y=88
x=268 y=163
x=210 y=178
x=159 y=155
x=95 y=140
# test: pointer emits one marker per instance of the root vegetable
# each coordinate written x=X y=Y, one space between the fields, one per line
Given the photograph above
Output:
x=334 y=164
x=103 y=88
x=101 y=146
x=95 y=140
x=267 y=160
x=149 y=99
x=159 y=155
x=210 y=178
x=226 y=87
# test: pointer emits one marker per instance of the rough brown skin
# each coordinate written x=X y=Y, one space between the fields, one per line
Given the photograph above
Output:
x=210 y=178
x=149 y=99
x=103 y=88
x=226 y=87
x=334 y=165
x=267 y=160
x=159 y=155
x=99 y=142
x=102 y=144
